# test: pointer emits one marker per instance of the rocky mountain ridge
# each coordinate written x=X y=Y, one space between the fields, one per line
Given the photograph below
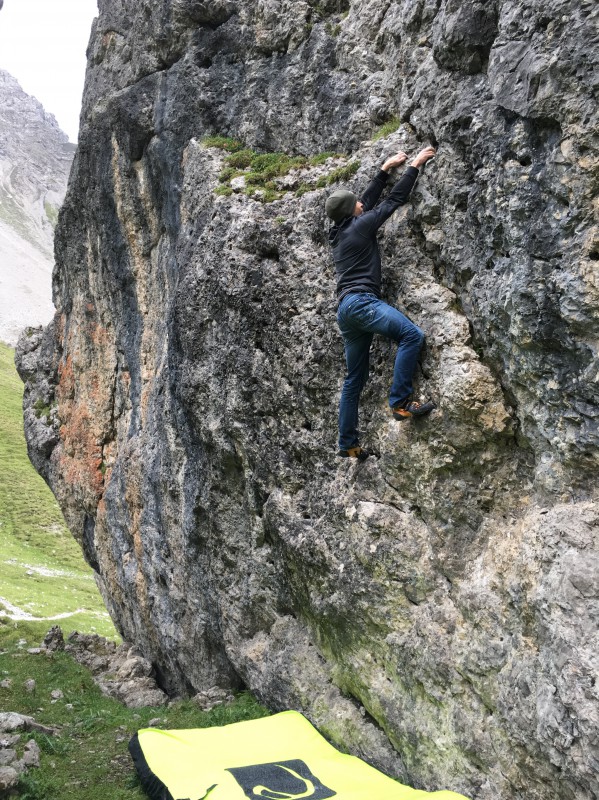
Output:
x=433 y=610
x=35 y=160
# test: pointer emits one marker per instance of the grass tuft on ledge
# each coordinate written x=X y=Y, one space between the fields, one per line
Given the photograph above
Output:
x=388 y=128
x=344 y=173
x=261 y=170
x=223 y=143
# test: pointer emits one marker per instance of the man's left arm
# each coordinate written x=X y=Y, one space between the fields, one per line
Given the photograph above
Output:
x=375 y=188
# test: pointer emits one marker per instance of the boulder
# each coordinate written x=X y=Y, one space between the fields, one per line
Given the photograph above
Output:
x=432 y=610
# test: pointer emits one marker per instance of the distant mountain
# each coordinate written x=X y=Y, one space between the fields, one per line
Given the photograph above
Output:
x=35 y=160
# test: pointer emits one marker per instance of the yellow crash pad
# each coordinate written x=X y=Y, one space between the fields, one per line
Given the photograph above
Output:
x=275 y=758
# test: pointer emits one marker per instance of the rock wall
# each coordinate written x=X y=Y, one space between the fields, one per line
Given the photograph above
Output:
x=435 y=609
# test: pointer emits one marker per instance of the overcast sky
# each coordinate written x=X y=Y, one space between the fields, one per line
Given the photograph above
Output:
x=42 y=44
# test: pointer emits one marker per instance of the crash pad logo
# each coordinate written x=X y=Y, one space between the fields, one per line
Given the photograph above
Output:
x=282 y=780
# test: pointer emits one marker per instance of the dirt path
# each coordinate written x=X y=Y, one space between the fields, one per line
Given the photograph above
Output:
x=15 y=613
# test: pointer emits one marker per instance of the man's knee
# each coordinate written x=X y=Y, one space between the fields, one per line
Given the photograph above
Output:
x=417 y=336
x=352 y=386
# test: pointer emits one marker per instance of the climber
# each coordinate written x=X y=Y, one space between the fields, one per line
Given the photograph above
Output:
x=360 y=310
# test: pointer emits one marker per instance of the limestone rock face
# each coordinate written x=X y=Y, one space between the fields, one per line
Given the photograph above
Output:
x=434 y=609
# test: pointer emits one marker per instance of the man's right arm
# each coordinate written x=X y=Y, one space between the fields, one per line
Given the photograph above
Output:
x=397 y=197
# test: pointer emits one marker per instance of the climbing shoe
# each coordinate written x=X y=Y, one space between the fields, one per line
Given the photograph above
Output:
x=411 y=408
x=354 y=452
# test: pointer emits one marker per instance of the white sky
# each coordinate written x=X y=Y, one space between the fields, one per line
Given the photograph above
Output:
x=42 y=45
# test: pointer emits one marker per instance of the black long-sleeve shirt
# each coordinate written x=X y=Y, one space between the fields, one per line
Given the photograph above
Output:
x=353 y=240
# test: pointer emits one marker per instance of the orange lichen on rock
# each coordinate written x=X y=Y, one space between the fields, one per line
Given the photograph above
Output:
x=98 y=334
x=60 y=322
x=85 y=397
x=81 y=458
x=66 y=380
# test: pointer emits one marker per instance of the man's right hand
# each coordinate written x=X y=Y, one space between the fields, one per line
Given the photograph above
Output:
x=423 y=156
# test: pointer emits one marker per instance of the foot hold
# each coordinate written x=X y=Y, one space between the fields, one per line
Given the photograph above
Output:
x=354 y=452
x=411 y=408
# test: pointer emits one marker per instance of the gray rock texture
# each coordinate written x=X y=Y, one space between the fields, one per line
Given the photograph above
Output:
x=120 y=672
x=12 y=763
x=10 y=721
x=435 y=609
x=9 y=778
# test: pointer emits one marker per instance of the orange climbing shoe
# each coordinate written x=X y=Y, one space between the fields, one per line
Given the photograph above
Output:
x=354 y=452
x=411 y=408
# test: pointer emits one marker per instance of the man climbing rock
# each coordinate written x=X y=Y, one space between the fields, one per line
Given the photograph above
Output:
x=360 y=311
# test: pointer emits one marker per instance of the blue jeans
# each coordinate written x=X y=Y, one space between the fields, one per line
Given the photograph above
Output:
x=359 y=316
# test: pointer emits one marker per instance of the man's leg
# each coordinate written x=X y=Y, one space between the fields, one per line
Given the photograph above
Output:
x=388 y=321
x=353 y=315
x=357 y=353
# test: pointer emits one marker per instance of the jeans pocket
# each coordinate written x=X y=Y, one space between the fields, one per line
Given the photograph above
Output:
x=346 y=309
x=363 y=312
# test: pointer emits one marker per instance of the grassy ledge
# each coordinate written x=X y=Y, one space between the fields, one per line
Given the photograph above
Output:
x=388 y=128
x=223 y=143
x=262 y=173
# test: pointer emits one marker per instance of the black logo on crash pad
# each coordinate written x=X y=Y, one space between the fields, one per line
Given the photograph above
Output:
x=281 y=780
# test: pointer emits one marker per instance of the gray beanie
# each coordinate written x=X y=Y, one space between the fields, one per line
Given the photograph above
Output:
x=340 y=204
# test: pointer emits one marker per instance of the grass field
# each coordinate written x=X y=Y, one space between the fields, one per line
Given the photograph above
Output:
x=42 y=571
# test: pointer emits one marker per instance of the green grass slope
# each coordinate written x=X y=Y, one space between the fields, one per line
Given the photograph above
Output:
x=42 y=571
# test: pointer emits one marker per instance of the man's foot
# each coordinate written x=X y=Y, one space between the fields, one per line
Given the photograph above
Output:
x=354 y=452
x=411 y=408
